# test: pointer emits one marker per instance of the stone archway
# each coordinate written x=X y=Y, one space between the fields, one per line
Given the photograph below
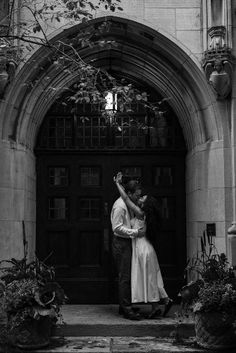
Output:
x=145 y=53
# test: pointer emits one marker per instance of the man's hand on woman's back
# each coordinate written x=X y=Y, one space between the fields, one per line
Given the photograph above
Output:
x=141 y=232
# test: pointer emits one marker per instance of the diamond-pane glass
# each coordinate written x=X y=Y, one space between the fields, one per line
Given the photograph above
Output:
x=87 y=127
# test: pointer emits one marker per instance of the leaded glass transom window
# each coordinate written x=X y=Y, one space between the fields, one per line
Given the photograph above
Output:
x=86 y=128
x=59 y=133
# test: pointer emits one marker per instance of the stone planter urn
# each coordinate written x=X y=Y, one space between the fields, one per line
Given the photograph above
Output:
x=31 y=334
x=215 y=330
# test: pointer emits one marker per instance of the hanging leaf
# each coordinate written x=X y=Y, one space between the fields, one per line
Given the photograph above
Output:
x=87 y=99
x=144 y=96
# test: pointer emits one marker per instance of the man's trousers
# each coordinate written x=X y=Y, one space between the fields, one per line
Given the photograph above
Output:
x=122 y=253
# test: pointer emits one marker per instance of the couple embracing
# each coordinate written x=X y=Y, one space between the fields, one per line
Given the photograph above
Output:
x=134 y=219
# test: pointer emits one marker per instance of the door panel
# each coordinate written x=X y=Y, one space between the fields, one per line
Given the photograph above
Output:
x=75 y=194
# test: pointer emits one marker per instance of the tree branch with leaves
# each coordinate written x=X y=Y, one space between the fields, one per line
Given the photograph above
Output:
x=39 y=18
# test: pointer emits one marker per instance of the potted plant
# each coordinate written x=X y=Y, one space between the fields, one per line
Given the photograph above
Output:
x=211 y=297
x=31 y=299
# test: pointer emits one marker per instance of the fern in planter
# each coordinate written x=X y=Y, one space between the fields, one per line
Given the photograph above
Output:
x=211 y=297
x=211 y=271
x=31 y=299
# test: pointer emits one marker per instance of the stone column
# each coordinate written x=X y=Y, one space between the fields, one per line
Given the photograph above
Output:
x=18 y=200
x=232 y=228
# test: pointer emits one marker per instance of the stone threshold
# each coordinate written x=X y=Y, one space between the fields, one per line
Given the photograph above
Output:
x=103 y=320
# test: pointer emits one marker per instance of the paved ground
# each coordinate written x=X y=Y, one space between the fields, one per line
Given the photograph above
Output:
x=112 y=345
x=119 y=345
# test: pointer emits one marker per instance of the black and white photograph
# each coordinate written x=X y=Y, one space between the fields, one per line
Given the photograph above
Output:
x=117 y=176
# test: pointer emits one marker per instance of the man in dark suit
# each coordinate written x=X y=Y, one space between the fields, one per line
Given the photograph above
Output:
x=122 y=247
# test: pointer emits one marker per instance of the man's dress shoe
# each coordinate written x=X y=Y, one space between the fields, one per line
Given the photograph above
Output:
x=121 y=310
x=130 y=314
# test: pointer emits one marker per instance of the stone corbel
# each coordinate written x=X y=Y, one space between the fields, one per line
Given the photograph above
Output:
x=218 y=72
x=217 y=63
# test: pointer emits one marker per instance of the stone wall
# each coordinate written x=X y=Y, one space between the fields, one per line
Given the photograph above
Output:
x=208 y=194
x=17 y=195
x=179 y=19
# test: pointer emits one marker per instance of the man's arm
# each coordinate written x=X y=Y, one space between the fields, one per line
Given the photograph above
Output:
x=118 y=227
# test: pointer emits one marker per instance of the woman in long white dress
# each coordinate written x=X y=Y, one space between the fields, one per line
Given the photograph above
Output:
x=146 y=279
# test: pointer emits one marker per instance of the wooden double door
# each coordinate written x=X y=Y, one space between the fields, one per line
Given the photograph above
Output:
x=75 y=193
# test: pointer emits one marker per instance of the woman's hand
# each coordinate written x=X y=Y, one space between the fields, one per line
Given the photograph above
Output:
x=118 y=178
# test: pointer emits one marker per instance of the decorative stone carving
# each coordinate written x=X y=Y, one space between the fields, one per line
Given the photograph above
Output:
x=217 y=35
x=217 y=63
x=219 y=74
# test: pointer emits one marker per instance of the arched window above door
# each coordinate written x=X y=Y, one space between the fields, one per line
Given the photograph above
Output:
x=85 y=127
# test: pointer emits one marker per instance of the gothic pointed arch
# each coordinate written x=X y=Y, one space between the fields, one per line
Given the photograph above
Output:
x=142 y=52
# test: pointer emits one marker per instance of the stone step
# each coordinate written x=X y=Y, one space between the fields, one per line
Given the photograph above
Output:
x=155 y=329
x=100 y=329
x=104 y=320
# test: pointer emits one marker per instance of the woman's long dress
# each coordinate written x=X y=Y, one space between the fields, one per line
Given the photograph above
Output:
x=146 y=279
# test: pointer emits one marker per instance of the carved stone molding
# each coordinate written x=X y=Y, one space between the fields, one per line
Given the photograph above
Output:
x=217 y=37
